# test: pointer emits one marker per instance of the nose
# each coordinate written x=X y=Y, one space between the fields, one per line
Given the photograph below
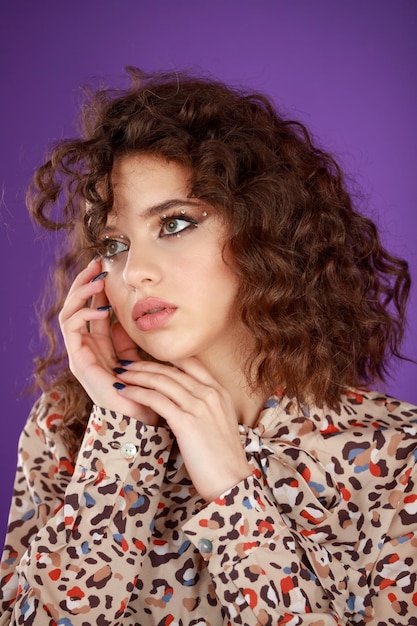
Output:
x=141 y=266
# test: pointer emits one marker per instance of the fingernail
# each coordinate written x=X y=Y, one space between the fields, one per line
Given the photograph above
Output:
x=101 y=275
x=104 y=308
x=125 y=363
x=119 y=370
x=95 y=258
x=119 y=386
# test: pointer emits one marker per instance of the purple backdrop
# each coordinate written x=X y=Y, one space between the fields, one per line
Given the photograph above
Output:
x=347 y=69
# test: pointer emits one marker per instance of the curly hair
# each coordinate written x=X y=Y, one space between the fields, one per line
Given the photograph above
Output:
x=322 y=298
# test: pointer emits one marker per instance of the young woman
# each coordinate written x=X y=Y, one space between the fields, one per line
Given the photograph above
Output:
x=202 y=452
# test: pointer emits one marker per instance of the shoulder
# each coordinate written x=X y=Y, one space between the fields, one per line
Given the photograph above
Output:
x=42 y=427
x=360 y=458
x=367 y=427
x=370 y=432
x=365 y=414
x=44 y=457
x=359 y=410
x=373 y=408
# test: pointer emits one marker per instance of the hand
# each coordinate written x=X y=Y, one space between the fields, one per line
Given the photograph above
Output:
x=94 y=345
x=201 y=415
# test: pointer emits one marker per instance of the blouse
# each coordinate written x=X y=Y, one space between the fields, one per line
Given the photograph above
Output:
x=322 y=533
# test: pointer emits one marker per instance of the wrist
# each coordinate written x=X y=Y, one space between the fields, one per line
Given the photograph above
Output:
x=227 y=482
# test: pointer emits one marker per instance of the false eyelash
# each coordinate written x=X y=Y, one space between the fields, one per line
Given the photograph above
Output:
x=99 y=249
x=103 y=247
x=177 y=216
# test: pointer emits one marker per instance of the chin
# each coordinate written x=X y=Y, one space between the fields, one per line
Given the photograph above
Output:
x=167 y=354
x=159 y=355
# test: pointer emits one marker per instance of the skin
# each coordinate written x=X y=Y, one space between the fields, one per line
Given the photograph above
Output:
x=202 y=340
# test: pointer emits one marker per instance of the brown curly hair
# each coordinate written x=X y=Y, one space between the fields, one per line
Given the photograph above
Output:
x=322 y=298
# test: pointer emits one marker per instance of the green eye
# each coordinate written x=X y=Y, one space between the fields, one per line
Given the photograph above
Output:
x=171 y=226
x=113 y=247
x=175 y=225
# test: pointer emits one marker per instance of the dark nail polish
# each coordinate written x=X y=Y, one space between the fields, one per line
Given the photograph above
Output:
x=96 y=257
x=119 y=386
x=101 y=275
x=125 y=363
x=104 y=308
x=119 y=370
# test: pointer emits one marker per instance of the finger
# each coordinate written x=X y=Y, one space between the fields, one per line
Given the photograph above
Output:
x=78 y=296
x=86 y=275
x=77 y=323
x=189 y=373
x=157 y=402
x=151 y=374
x=182 y=391
x=194 y=368
x=77 y=338
x=167 y=383
x=100 y=326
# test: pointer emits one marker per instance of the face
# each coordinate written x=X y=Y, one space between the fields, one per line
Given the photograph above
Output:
x=167 y=281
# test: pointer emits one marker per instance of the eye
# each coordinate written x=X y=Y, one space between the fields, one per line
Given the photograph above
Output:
x=174 y=225
x=113 y=247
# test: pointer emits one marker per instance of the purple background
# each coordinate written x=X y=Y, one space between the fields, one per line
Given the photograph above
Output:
x=346 y=68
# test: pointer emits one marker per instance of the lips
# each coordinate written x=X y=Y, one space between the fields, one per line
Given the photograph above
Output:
x=152 y=313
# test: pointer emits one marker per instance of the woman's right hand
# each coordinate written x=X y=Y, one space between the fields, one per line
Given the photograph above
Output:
x=94 y=348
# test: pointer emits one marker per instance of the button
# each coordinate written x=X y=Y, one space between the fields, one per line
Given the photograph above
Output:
x=128 y=451
x=205 y=546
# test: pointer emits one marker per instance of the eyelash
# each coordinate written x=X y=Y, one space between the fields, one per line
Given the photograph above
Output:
x=105 y=247
x=163 y=222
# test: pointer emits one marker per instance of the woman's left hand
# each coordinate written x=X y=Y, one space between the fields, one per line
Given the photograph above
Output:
x=201 y=415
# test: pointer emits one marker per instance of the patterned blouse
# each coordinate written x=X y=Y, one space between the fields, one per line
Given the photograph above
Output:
x=322 y=533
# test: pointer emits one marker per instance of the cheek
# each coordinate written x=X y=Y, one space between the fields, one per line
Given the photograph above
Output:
x=225 y=278
x=114 y=294
x=113 y=265
x=108 y=289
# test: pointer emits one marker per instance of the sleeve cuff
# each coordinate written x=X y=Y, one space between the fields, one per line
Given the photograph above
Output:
x=116 y=445
x=238 y=522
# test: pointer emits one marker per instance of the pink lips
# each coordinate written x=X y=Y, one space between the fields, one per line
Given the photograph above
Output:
x=152 y=313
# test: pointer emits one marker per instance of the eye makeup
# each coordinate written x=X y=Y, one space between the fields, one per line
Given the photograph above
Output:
x=112 y=246
x=164 y=227
x=174 y=225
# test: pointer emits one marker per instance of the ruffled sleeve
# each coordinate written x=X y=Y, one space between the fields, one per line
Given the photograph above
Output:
x=295 y=542
x=85 y=556
x=311 y=503
x=254 y=543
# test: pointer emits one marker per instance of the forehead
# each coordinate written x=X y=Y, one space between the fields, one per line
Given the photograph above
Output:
x=146 y=185
x=151 y=176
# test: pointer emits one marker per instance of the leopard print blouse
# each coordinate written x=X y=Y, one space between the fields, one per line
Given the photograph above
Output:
x=322 y=533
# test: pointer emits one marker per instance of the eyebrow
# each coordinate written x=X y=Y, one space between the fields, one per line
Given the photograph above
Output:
x=157 y=209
